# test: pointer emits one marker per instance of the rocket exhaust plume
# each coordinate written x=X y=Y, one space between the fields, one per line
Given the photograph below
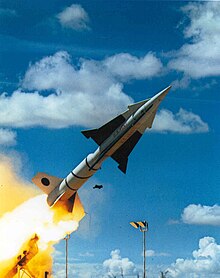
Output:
x=29 y=223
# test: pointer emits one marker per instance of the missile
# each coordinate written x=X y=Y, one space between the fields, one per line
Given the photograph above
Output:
x=115 y=139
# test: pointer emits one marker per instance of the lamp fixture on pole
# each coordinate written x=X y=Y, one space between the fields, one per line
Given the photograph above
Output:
x=143 y=227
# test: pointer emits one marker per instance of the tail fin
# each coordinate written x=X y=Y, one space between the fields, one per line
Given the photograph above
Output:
x=75 y=206
x=101 y=134
x=72 y=205
x=49 y=185
x=46 y=182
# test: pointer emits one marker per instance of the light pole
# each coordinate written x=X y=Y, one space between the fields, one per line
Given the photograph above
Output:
x=143 y=227
x=66 y=239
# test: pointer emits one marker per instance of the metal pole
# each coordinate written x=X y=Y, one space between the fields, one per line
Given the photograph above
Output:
x=66 y=257
x=67 y=238
x=143 y=227
x=144 y=253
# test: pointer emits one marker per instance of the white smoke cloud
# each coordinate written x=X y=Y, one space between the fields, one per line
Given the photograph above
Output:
x=33 y=216
x=201 y=215
x=181 y=122
x=117 y=265
x=74 y=17
x=205 y=262
x=201 y=56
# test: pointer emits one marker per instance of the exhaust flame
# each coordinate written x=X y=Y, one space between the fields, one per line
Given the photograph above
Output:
x=32 y=217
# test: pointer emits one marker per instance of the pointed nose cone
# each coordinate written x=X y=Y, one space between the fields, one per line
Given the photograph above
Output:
x=161 y=95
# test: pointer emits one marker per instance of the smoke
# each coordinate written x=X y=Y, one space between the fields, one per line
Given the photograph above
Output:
x=28 y=227
x=13 y=190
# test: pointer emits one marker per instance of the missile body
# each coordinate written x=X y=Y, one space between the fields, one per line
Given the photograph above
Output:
x=116 y=139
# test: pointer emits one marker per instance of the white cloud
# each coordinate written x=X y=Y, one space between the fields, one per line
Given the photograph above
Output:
x=74 y=17
x=76 y=95
x=58 y=94
x=86 y=254
x=173 y=222
x=201 y=56
x=52 y=72
x=117 y=265
x=183 y=83
x=205 y=262
x=126 y=66
x=7 y=137
x=181 y=122
x=201 y=215
x=153 y=253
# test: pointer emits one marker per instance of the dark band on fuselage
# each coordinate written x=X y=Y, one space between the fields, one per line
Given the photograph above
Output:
x=90 y=167
x=69 y=186
x=82 y=178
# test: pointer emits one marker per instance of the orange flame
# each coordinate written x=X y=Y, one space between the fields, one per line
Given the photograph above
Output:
x=28 y=218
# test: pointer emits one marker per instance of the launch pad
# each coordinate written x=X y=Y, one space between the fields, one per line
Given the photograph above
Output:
x=24 y=272
x=20 y=269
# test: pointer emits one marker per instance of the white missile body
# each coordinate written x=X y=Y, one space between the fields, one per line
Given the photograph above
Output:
x=116 y=139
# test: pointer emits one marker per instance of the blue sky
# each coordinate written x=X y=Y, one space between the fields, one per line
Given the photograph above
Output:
x=66 y=66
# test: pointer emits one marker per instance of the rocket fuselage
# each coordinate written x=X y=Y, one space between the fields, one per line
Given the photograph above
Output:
x=88 y=167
